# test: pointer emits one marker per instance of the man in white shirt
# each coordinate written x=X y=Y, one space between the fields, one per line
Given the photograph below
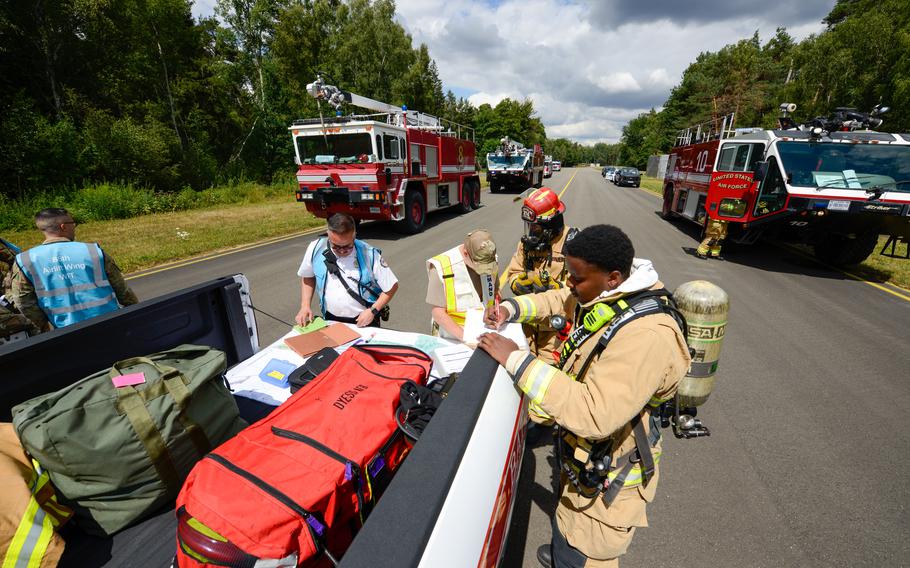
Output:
x=351 y=279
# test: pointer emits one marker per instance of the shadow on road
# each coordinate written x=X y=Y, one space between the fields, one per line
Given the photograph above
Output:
x=765 y=255
x=529 y=495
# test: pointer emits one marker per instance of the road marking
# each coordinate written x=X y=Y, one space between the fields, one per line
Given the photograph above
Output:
x=242 y=248
x=567 y=184
x=854 y=276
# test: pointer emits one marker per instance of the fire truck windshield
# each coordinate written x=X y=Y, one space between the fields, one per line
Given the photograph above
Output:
x=344 y=147
x=825 y=165
x=506 y=161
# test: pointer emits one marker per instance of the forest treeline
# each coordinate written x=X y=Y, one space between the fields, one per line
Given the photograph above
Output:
x=139 y=93
x=142 y=94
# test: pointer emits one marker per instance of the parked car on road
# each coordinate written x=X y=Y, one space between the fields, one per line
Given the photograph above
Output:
x=608 y=172
x=627 y=176
x=557 y=166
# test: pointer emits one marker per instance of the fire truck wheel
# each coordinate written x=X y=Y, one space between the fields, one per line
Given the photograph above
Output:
x=465 y=203
x=475 y=194
x=840 y=250
x=415 y=212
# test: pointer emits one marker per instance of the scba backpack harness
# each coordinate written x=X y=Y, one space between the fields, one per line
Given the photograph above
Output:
x=599 y=473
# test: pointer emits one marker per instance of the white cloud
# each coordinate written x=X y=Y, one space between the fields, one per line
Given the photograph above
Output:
x=622 y=82
x=588 y=68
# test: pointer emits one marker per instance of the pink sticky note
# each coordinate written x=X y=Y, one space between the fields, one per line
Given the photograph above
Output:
x=129 y=380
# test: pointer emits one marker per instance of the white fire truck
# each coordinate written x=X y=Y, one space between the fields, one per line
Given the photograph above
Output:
x=396 y=164
x=512 y=166
x=829 y=182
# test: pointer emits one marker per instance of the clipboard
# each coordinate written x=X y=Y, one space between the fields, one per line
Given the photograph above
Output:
x=333 y=335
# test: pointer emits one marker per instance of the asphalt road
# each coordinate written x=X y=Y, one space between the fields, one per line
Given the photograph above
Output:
x=805 y=462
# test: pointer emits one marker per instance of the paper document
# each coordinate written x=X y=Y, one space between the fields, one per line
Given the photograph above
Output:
x=450 y=359
x=474 y=327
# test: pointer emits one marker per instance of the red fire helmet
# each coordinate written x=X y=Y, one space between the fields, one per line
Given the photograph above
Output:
x=542 y=206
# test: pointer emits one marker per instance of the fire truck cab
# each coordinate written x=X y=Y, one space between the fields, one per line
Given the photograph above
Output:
x=824 y=183
x=397 y=164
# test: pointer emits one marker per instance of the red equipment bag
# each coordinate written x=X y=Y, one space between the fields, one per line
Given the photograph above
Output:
x=293 y=488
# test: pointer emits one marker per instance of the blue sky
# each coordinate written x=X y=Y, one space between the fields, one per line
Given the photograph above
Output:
x=588 y=65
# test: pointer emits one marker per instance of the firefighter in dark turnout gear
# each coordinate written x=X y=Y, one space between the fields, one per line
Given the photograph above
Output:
x=624 y=358
x=539 y=263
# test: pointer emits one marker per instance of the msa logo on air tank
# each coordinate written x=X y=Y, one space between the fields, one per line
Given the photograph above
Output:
x=707 y=332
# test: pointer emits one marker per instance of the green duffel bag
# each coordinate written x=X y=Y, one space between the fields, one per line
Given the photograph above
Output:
x=118 y=455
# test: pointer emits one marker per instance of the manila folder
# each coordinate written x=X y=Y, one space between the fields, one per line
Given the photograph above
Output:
x=333 y=335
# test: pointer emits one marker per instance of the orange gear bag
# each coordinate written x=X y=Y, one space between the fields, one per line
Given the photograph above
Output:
x=296 y=486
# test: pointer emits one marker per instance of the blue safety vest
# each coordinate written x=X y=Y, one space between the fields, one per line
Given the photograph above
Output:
x=368 y=288
x=70 y=281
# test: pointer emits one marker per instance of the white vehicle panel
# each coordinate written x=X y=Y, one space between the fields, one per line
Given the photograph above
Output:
x=459 y=535
x=691 y=204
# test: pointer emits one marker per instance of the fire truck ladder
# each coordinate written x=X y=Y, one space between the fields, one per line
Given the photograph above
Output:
x=716 y=129
x=398 y=116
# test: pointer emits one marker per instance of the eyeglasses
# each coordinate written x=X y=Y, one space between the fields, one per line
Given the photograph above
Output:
x=73 y=223
x=342 y=248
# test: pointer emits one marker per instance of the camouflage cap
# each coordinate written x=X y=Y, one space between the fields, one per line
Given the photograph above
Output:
x=481 y=252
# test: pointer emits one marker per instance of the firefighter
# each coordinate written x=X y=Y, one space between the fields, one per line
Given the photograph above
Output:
x=460 y=279
x=625 y=356
x=715 y=233
x=62 y=281
x=539 y=264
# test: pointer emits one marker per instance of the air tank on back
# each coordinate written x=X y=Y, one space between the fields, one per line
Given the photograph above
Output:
x=706 y=307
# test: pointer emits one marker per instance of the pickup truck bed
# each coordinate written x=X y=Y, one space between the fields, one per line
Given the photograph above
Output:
x=400 y=529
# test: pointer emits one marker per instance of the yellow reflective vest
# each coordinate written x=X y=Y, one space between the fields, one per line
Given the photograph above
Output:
x=460 y=293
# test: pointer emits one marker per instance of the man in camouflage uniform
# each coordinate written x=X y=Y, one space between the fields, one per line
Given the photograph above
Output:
x=60 y=229
x=13 y=325
x=715 y=233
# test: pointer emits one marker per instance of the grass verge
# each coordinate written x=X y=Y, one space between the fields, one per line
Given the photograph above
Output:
x=878 y=268
x=652 y=185
x=149 y=240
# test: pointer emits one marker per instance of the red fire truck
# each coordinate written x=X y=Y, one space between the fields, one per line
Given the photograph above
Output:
x=830 y=182
x=397 y=164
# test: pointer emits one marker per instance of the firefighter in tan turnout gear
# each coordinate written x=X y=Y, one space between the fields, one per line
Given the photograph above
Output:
x=715 y=233
x=625 y=356
x=539 y=263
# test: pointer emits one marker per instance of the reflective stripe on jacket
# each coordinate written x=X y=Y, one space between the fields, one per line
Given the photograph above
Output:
x=30 y=508
x=36 y=528
x=460 y=293
x=368 y=288
x=70 y=281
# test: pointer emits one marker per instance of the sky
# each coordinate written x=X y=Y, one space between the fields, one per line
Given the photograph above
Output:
x=589 y=65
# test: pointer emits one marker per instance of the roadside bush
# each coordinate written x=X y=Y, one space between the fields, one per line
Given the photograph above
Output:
x=106 y=201
x=109 y=201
